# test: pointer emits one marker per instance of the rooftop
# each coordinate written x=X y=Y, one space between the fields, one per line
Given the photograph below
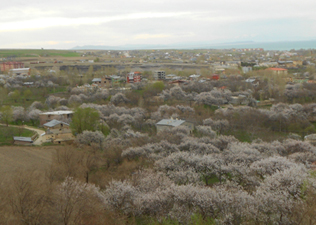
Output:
x=28 y=83
x=250 y=80
x=57 y=113
x=177 y=81
x=310 y=137
x=96 y=80
x=277 y=69
x=115 y=77
x=170 y=122
x=54 y=123
x=194 y=76
x=26 y=139
x=19 y=69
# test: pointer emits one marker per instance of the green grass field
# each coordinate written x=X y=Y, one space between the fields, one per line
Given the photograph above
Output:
x=57 y=89
x=265 y=135
x=7 y=133
x=37 y=53
x=38 y=94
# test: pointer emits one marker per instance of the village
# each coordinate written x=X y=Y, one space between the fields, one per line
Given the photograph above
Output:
x=133 y=133
x=213 y=68
x=158 y=112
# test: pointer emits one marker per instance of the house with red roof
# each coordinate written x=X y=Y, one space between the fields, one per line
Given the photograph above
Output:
x=277 y=70
x=134 y=77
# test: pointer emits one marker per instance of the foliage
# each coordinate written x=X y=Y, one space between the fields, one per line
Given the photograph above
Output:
x=122 y=170
x=19 y=114
x=32 y=52
x=14 y=95
x=88 y=137
x=153 y=89
x=6 y=114
x=119 y=98
x=27 y=94
x=7 y=133
x=84 y=119
x=205 y=131
x=33 y=116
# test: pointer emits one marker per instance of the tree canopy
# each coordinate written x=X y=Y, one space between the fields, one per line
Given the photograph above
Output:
x=6 y=114
x=84 y=119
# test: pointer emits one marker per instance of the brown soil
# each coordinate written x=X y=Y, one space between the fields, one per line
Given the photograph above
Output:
x=16 y=158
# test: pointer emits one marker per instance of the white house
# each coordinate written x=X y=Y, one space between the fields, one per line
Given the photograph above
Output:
x=170 y=123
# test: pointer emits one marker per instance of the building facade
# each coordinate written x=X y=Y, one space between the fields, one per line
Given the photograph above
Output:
x=22 y=141
x=57 y=115
x=6 y=66
x=103 y=82
x=20 y=72
x=160 y=75
x=134 y=77
x=57 y=132
x=278 y=71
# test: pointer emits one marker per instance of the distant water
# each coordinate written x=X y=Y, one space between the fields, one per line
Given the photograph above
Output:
x=286 y=45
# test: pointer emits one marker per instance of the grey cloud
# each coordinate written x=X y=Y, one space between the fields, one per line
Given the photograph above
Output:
x=200 y=20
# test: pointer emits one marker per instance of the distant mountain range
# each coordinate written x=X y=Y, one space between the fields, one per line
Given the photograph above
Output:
x=120 y=47
x=199 y=45
x=281 y=45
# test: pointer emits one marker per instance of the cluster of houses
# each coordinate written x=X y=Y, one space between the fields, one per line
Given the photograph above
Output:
x=136 y=77
x=15 y=69
x=6 y=66
x=232 y=57
x=58 y=132
x=132 y=77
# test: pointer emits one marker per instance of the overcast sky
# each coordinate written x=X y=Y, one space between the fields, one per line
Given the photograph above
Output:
x=62 y=24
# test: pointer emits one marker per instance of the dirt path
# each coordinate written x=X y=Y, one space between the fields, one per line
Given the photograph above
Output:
x=38 y=141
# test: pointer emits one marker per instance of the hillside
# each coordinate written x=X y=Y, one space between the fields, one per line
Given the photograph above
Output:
x=21 y=158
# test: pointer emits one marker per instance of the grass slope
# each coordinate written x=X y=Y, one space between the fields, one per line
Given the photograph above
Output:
x=37 y=53
x=7 y=133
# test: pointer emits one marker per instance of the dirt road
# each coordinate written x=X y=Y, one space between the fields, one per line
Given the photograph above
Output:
x=38 y=141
